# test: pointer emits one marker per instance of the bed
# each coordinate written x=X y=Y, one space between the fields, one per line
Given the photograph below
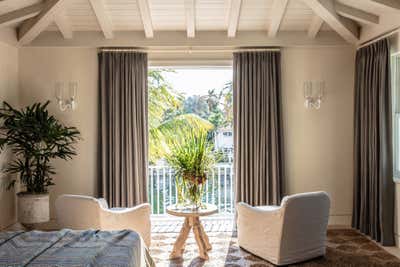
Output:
x=73 y=248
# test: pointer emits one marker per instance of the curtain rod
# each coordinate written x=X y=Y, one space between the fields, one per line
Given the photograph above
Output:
x=188 y=50
x=379 y=37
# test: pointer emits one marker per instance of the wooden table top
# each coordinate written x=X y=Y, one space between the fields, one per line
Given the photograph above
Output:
x=206 y=210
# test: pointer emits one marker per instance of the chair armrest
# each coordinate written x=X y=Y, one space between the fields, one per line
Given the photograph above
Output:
x=103 y=203
x=259 y=229
x=139 y=207
x=136 y=219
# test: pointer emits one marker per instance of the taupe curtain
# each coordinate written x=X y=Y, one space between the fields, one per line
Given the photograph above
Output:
x=373 y=207
x=258 y=127
x=123 y=127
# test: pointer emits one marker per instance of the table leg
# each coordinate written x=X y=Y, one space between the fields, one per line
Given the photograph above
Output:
x=207 y=241
x=179 y=245
x=199 y=236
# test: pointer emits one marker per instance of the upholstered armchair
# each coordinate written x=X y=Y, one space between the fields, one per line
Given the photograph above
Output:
x=84 y=212
x=293 y=232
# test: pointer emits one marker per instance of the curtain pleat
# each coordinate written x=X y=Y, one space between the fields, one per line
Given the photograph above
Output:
x=373 y=205
x=123 y=128
x=258 y=130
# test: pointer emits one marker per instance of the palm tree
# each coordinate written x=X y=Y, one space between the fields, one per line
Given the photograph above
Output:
x=163 y=99
x=166 y=118
x=174 y=129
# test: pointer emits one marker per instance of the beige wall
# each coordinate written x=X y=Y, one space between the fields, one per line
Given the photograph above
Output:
x=39 y=69
x=318 y=143
x=9 y=93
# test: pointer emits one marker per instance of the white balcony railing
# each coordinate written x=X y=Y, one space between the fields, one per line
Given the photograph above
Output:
x=218 y=189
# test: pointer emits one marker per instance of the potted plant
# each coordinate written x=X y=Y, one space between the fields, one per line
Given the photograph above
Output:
x=191 y=156
x=35 y=138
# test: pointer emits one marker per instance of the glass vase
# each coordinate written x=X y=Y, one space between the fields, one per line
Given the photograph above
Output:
x=180 y=192
x=194 y=194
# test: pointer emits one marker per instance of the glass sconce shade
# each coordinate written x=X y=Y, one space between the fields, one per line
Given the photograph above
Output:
x=313 y=94
x=66 y=102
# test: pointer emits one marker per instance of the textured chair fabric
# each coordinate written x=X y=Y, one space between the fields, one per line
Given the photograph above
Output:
x=286 y=234
x=84 y=212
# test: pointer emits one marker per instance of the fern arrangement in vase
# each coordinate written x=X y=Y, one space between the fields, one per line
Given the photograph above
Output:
x=191 y=156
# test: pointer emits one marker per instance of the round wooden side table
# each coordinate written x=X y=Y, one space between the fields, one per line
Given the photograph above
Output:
x=192 y=221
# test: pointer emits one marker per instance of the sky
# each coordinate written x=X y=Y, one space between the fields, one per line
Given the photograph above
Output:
x=198 y=81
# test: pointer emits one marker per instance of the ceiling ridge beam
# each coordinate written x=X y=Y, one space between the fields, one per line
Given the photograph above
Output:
x=325 y=9
x=20 y=14
x=315 y=26
x=393 y=4
x=61 y=20
x=356 y=14
x=103 y=18
x=190 y=18
x=144 y=9
x=31 y=28
x=233 y=17
x=278 y=12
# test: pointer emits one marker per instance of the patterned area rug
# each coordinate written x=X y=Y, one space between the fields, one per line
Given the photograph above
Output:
x=345 y=247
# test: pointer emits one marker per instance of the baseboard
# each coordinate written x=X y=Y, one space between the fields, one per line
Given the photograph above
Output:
x=47 y=226
x=397 y=239
x=8 y=226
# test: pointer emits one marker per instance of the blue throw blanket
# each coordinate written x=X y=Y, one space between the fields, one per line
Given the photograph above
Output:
x=73 y=248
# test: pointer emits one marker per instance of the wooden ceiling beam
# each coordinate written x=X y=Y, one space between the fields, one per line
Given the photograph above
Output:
x=102 y=18
x=392 y=4
x=233 y=17
x=325 y=9
x=190 y=18
x=315 y=26
x=20 y=14
x=277 y=14
x=61 y=20
x=31 y=28
x=144 y=9
x=356 y=14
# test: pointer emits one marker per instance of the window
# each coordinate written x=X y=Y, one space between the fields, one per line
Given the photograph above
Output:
x=195 y=97
x=396 y=114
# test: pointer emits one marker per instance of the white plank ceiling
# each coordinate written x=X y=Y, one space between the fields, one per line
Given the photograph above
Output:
x=209 y=15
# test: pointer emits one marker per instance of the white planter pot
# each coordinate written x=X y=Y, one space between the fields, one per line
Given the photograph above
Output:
x=33 y=208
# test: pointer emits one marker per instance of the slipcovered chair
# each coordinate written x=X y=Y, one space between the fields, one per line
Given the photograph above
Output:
x=84 y=212
x=286 y=234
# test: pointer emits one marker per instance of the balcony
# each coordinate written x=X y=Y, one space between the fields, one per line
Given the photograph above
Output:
x=218 y=190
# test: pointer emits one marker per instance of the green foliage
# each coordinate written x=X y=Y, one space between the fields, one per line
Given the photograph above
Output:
x=35 y=137
x=174 y=129
x=227 y=103
x=191 y=156
x=172 y=115
x=197 y=105
x=164 y=101
x=167 y=117
x=216 y=106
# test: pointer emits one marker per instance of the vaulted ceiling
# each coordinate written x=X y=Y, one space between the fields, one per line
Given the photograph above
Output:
x=346 y=17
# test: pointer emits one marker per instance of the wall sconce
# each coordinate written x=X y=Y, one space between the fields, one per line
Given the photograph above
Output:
x=313 y=93
x=68 y=101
